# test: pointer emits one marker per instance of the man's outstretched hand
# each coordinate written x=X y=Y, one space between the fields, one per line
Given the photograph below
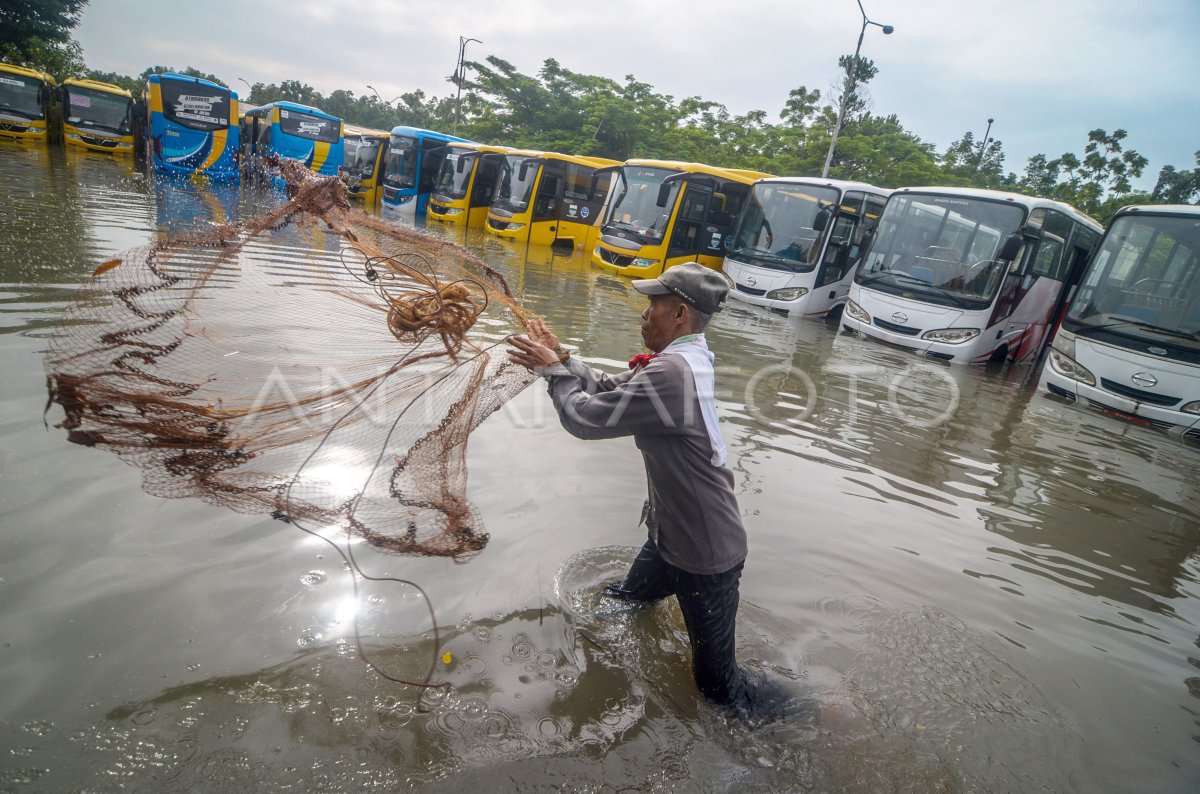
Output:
x=539 y=333
x=530 y=354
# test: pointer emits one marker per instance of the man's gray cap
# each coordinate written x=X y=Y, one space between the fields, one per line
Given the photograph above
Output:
x=701 y=287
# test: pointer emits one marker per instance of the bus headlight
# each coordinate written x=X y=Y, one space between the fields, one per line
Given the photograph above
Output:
x=951 y=336
x=1064 y=342
x=512 y=227
x=1192 y=407
x=1068 y=367
x=642 y=261
x=787 y=293
x=856 y=312
x=74 y=137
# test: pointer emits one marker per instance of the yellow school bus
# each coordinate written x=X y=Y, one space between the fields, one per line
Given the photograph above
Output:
x=663 y=213
x=97 y=116
x=362 y=168
x=25 y=96
x=546 y=198
x=467 y=183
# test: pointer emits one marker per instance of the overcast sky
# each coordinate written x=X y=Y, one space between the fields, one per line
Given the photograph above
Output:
x=1047 y=71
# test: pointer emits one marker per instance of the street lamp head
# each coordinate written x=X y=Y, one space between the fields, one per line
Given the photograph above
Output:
x=888 y=30
x=990 y=121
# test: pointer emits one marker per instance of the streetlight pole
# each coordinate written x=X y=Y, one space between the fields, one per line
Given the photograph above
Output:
x=243 y=79
x=460 y=77
x=377 y=96
x=983 y=146
x=850 y=79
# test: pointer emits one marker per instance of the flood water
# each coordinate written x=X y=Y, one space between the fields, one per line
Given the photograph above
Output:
x=973 y=587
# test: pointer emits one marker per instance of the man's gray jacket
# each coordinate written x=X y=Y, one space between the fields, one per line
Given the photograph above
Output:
x=691 y=513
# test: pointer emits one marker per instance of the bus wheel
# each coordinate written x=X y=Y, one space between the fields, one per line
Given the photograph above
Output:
x=999 y=356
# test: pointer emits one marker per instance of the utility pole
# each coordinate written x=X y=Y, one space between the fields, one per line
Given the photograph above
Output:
x=851 y=77
x=983 y=146
x=460 y=77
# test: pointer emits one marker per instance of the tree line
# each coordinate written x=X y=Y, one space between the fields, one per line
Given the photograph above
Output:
x=561 y=110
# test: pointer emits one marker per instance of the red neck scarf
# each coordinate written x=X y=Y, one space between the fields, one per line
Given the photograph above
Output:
x=641 y=360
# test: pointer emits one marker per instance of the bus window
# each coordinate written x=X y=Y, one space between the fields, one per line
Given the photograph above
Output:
x=1048 y=258
x=314 y=128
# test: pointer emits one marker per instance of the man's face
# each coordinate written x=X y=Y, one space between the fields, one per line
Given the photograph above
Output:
x=662 y=321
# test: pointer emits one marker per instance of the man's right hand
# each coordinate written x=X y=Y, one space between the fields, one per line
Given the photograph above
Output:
x=539 y=333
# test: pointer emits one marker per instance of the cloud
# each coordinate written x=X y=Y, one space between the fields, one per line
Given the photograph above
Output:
x=1046 y=71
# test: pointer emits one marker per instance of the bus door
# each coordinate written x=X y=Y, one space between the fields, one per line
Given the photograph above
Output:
x=591 y=211
x=487 y=177
x=546 y=199
x=1031 y=294
x=843 y=244
x=691 y=235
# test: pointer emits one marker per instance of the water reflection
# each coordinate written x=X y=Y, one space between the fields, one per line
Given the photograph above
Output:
x=984 y=589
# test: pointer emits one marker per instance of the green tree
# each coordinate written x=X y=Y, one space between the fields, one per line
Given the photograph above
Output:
x=1177 y=187
x=37 y=33
x=1098 y=183
x=966 y=162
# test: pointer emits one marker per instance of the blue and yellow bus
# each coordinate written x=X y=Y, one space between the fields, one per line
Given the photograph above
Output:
x=97 y=116
x=547 y=198
x=467 y=183
x=297 y=132
x=193 y=126
x=25 y=96
x=362 y=168
x=414 y=159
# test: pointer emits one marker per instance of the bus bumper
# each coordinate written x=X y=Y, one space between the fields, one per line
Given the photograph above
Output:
x=446 y=213
x=1059 y=383
x=937 y=351
x=106 y=145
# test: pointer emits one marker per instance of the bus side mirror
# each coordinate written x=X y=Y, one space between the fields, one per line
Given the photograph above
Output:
x=1011 y=246
x=822 y=219
x=524 y=170
x=664 y=190
x=460 y=165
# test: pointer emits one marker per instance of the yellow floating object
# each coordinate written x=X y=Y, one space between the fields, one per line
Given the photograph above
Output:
x=446 y=657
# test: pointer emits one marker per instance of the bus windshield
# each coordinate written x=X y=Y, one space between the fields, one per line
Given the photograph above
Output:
x=636 y=207
x=361 y=153
x=304 y=125
x=401 y=170
x=776 y=230
x=98 y=109
x=455 y=176
x=21 y=96
x=942 y=248
x=195 y=106
x=1144 y=282
x=518 y=175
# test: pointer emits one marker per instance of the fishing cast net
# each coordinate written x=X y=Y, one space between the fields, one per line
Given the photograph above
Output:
x=333 y=392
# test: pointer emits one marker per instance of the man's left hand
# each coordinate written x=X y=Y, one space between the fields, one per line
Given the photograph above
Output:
x=530 y=354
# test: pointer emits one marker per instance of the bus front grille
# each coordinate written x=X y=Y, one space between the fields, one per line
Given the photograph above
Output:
x=497 y=223
x=749 y=290
x=1138 y=394
x=896 y=329
x=613 y=258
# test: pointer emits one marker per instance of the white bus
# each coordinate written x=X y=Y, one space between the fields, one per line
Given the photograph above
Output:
x=797 y=241
x=1130 y=343
x=969 y=276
